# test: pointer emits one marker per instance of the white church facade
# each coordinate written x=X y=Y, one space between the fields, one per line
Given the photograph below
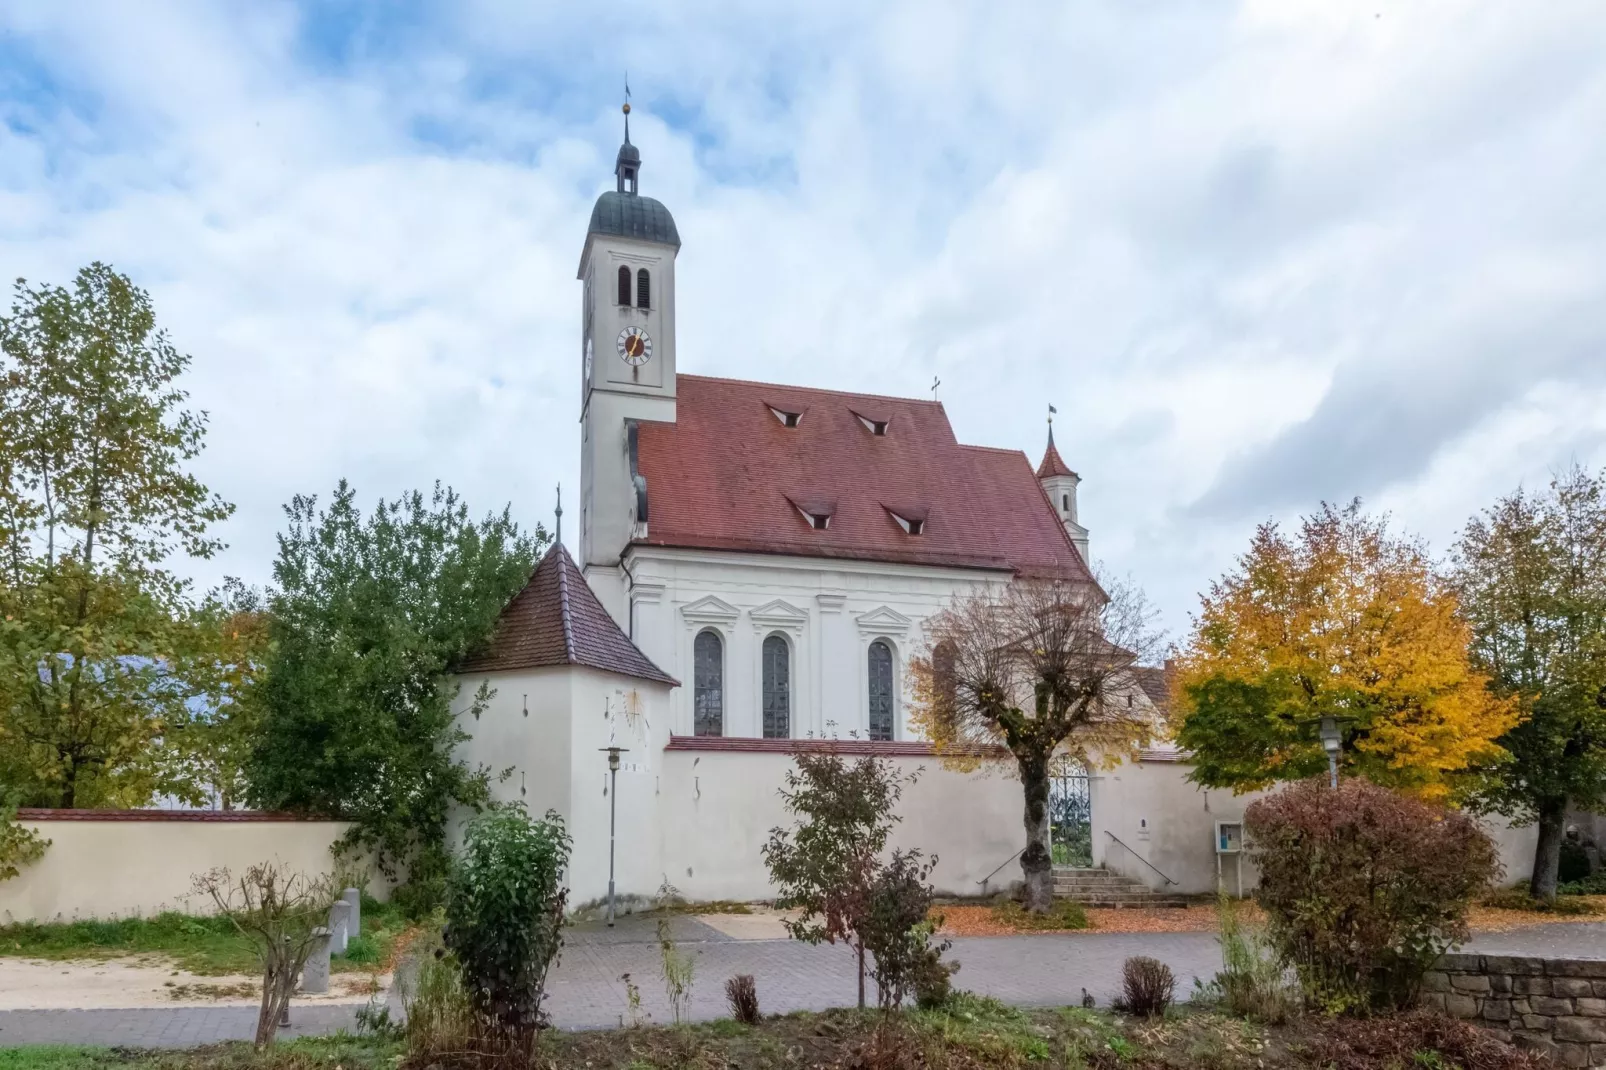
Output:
x=756 y=566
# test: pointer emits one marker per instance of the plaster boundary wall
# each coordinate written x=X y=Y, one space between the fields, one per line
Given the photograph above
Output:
x=109 y=864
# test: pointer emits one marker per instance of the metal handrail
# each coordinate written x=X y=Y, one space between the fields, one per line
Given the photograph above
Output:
x=1001 y=865
x=1134 y=854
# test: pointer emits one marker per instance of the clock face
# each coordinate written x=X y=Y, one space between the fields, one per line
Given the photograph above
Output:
x=635 y=346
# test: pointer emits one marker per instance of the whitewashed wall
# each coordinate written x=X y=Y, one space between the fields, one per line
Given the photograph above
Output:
x=131 y=863
x=1164 y=823
x=828 y=611
x=719 y=808
x=556 y=760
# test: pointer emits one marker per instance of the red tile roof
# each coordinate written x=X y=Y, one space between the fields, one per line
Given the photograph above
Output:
x=557 y=620
x=724 y=476
x=1052 y=464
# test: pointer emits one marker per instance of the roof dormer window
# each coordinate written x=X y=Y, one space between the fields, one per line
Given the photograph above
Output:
x=912 y=521
x=875 y=426
x=815 y=512
x=788 y=419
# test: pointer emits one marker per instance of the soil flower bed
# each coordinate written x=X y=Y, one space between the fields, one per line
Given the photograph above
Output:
x=970 y=1034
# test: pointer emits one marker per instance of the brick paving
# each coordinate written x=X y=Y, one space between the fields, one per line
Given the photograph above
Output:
x=586 y=990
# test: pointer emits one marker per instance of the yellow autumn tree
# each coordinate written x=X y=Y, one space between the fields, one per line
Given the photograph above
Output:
x=1348 y=621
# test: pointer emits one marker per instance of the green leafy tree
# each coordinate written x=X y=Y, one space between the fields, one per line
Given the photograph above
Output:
x=225 y=666
x=1531 y=574
x=1345 y=620
x=504 y=914
x=827 y=864
x=19 y=846
x=94 y=497
x=368 y=617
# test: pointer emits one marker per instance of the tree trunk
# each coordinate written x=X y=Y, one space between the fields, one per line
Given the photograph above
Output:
x=1547 y=853
x=1035 y=861
x=861 y=974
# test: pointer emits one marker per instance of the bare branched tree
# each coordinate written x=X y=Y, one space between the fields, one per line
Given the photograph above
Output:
x=279 y=911
x=1039 y=668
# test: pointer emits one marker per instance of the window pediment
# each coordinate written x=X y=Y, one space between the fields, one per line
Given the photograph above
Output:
x=710 y=610
x=883 y=620
x=779 y=614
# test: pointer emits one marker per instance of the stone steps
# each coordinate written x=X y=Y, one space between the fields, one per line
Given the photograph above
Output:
x=1108 y=889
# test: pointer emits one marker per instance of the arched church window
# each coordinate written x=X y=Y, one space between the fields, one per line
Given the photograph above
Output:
x=1065 y=502
x=777 y=658
x=708 y=686
x=643 y=289
x=880 y=690
x=624 y=285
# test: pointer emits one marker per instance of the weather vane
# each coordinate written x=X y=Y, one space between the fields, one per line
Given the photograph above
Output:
x=558 y=513
x=935 y=383
x=1051 y=411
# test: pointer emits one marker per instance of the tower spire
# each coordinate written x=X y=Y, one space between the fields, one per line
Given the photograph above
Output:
x=558 y=517
x=628 y=164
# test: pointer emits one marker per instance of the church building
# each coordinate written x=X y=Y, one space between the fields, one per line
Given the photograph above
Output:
x=756 y=565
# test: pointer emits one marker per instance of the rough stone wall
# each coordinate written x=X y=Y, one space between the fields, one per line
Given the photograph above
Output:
x=1555 y=1005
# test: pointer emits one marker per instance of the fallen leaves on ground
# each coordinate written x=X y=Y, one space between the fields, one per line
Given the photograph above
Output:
x=980 y=920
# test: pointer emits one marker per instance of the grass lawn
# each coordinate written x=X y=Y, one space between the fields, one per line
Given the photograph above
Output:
x=201 y=945
x=971 y=1034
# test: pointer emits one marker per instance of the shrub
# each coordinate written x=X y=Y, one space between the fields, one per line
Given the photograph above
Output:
x=933 y=978
x=1594 y=884
x=741 y=992
x=1573 y=864
x=895 y=931
x=362 y=950
x=439 y=1018
x=679 y=970
x=827 y=864
x=1252 y=981
x=282 y=913
x=1064 y=915
x=1147 y=986
x=1364 y=888
x=504 y=912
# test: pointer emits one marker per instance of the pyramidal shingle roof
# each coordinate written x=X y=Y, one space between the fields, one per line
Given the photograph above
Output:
x=1053 y=464
x=557 y=620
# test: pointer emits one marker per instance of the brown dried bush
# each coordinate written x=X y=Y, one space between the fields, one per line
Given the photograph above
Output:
x=1147 y=986
x=1364 y=888
x=1351 y=1044
x=741 y=992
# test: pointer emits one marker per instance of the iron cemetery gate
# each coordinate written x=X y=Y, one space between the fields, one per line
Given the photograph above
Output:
x=1070 y=814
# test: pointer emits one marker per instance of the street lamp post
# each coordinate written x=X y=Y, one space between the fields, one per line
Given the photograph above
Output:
x=613 y=810
x=1331 y=742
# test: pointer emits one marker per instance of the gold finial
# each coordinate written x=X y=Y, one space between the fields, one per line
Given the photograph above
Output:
x=626 y=108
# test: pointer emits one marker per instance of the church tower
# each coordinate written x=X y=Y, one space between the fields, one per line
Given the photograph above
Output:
x=1060 y=484
x=627 y=375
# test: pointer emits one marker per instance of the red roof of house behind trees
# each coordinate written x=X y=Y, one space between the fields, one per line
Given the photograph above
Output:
x=556 y=620
x=729 y=475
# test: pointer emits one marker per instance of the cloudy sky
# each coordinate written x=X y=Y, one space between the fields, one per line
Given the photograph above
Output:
x=1258 y=255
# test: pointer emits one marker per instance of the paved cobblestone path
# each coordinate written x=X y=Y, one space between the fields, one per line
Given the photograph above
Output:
x=587 y=991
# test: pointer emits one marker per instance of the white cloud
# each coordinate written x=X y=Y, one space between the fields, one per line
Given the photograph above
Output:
x=1256 y=257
